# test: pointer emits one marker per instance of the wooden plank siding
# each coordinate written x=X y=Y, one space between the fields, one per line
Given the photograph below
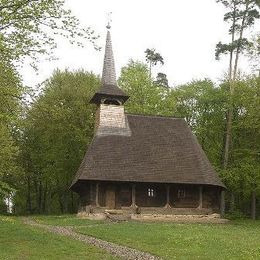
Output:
x=149 y=195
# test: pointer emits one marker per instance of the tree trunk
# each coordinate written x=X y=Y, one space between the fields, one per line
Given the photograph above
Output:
x=253 y=205
x=232 y=202
x=231 y=90
x=222 y=203
x=232 y=79
x=29 y=199
x=72 y=202
x=44 y=198
x=40 y=198
x=228 y=136
x=61 y=204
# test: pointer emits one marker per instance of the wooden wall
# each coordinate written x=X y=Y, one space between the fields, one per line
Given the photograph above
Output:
x=184 y=196
x=180 y=196
x=144 y=200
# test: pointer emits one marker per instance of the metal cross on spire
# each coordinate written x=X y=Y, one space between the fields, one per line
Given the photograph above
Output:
x=109 y=20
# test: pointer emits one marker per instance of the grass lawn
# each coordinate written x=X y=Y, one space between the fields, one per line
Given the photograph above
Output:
x=236 y=240
x=64 y=220
x=20 y=241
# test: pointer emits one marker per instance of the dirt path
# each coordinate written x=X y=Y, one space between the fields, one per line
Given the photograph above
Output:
x=112 y=248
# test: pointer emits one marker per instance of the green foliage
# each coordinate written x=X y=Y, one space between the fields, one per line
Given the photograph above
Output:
x=203 y=106
x=8 y=163
x=235 y=215
x=161 y=80
x=11 y=93
x=58 y=128
x=28 y=28
x=153 y=57
x=146 y=97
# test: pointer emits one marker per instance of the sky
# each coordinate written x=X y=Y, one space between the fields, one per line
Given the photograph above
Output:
x=184 y=32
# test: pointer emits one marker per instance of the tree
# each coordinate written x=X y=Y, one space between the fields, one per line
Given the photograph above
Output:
x=247 y=134
x=11 y=92
x=241 y=15
x=242 y=177
x=153 y=57
x=162 y=80
x=8 y=163
x=203 y=105
x=58 y=127
x=145 y=96
x=28 y=28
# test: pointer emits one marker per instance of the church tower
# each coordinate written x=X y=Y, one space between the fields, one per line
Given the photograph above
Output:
x=110 y=116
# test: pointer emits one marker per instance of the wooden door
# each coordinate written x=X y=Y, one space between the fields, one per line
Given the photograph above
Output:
x=110 y=197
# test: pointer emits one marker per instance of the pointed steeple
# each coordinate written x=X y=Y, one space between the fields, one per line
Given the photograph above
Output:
x=109 y=71
x=109 y=89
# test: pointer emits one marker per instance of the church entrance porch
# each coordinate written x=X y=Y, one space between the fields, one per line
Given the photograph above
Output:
x=151 y=198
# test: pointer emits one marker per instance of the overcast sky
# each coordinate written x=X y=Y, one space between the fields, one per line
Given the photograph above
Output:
x=184 y=32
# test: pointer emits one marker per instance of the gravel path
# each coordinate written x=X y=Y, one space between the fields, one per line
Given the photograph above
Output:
x=114 y=249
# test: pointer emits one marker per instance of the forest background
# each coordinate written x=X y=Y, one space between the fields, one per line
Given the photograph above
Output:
x=45 y=131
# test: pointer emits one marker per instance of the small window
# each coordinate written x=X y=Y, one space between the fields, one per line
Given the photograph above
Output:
x=111 y=102
x=181 y=194
x=151 y=192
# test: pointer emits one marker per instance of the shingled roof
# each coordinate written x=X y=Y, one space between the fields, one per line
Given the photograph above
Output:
x=109 y=86
x=160 y=149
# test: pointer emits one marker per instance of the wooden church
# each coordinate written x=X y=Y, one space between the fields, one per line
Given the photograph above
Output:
x=143 y=164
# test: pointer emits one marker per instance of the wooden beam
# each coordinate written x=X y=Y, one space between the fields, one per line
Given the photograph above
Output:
x=200 y=197
x=133 y=196
x=97 y=193
x=167 y=205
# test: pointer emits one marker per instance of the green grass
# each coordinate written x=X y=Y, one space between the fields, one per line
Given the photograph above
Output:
x=20 y=241
x=64 y=220
x=237 y=240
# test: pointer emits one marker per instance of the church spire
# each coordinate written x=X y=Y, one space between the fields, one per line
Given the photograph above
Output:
x=109 y=90
x=109 y=72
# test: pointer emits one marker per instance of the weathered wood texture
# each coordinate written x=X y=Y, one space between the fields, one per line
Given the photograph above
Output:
x=115 y=195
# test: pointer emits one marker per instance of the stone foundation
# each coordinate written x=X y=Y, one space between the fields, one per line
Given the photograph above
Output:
x=121 y=216
x=148 y=210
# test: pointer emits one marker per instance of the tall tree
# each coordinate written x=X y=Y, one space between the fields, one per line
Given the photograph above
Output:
x=153 y=57
x=28 y=28
x=241 y=15
x=146 y=97
x=161 y=80
x=11 y=92
x=58 y=127
x=203 y=105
